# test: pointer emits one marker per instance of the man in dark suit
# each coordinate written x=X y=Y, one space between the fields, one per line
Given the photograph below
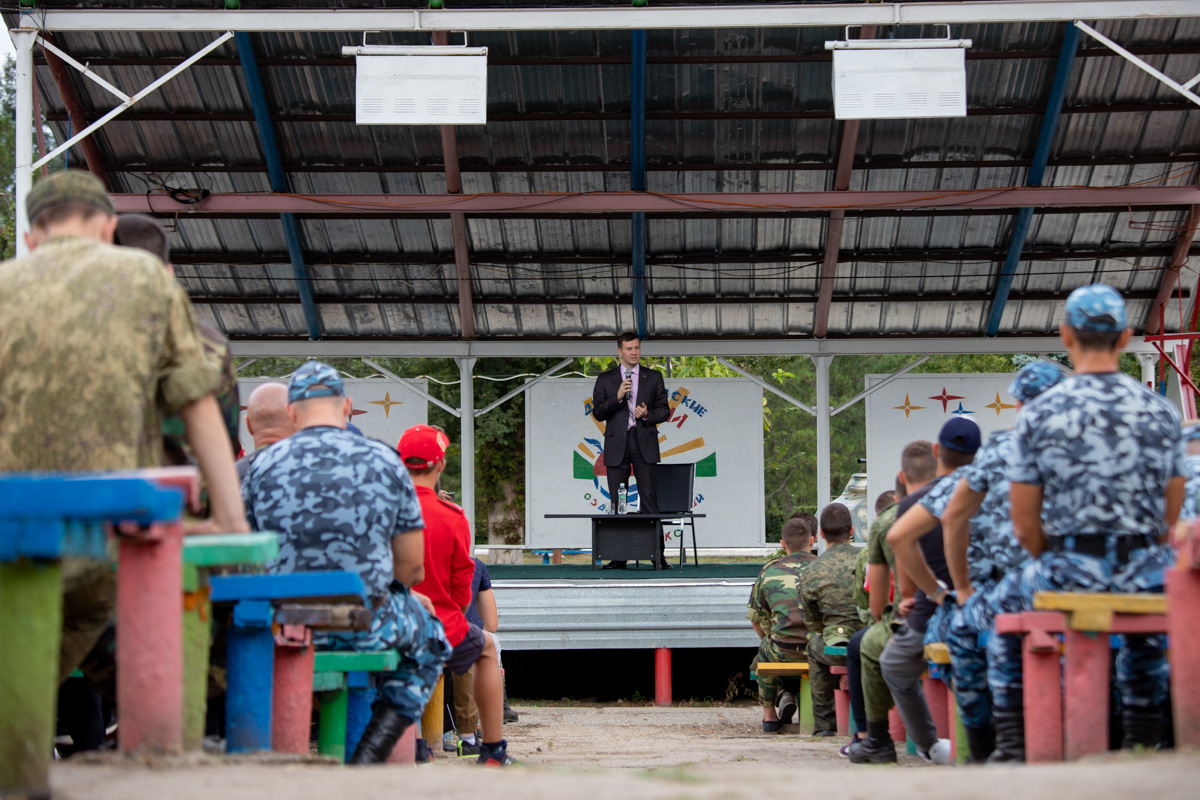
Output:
x=632 y=400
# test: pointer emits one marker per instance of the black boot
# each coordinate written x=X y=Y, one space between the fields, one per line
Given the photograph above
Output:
x=1010 y=737
x=1142 y=728
x=877 y=748
x=509 y=714
x=383 y=731
x=982 y=742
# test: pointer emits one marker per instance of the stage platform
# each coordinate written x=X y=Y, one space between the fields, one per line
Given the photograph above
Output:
x=573 y=607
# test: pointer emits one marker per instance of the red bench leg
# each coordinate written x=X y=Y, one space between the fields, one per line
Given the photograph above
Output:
x=1043 y=698
x=1183 y=598
x=841 y=701
x=405 y=751
x=1087 y=693
x=150 y=640
x=291 y=701
x=937 y=698
x=896 y=726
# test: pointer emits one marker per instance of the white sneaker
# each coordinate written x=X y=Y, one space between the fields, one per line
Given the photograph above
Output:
x=939 y=753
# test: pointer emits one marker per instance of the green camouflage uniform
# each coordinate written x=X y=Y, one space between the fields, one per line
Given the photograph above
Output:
x=96 y=344
x=827 y=596
x=216 y=350
x=775 y=606
x=877 y=698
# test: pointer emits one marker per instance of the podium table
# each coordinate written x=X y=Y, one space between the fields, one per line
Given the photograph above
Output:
x=626 y=537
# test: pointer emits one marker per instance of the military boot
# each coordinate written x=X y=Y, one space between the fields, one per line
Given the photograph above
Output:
x=1010 y=737
x=877 y=748
x=982 y=742
x=382 y=732
x=1142 y=728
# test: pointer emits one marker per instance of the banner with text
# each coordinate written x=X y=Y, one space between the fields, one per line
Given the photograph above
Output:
x=716 y=423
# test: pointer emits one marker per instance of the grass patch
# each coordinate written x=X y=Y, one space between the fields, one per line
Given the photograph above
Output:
x=677 y=774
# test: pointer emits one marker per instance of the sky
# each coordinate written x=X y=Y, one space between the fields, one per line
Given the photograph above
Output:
x=6 y=47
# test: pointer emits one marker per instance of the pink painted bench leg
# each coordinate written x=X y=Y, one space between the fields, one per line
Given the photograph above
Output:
x=937 y=698
x=841 y=701
x=405 y=751
x=150 y=640
x=1085 y=718
x=1043 y=698
x=896 y=726
x=291 y=700
x=1183 y=598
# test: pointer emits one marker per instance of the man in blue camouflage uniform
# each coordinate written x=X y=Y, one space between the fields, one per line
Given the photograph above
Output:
x=980 y=551
x=345 y=502
x=1096 y=480
x=1191 y=488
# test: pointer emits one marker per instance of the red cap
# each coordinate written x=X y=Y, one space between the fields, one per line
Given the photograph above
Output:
x=423 y=443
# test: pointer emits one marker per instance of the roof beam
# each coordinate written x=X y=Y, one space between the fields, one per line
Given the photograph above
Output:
x=356 y=21
x=837 y=217
x=1037 y=170
x=66 y=90
x=727 y=203
x=279 y=181
x=458 y=223
x=1170 y=276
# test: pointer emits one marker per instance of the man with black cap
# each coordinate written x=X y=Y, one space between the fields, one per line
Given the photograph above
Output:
x=345 y=502
x=99 y=344
x=904 y=653
x=1096 y=482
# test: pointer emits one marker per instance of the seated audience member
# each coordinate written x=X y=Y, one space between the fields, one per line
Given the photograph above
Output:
x=267 y=420
x=916 y=538
x=344 y=502
x=488 y=616
x=918 y=466
x=1191 y=487
x=778 y=619
x=145 y=233
x=481 y=612
x=449 y=570
x=980 y=552
x=884 y=516
x=827 y=597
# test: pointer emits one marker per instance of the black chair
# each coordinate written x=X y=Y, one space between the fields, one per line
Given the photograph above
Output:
x=676 y=492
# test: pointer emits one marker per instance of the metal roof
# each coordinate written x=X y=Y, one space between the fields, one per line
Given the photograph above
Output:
x=730 y=110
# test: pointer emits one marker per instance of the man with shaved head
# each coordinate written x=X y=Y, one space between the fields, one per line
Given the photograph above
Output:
x=267 y=420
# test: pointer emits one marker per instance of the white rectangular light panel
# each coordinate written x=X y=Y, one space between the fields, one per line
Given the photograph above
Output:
x=899 y=84
x=422 y=89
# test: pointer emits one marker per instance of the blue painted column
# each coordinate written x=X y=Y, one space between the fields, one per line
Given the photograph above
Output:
x=250 y=665
x=1037 y=170
x=637 y=173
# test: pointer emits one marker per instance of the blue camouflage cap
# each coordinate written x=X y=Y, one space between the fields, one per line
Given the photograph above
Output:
x=315 y=379
x=1098 y=307
x=1191 y=433
x=1033 y=379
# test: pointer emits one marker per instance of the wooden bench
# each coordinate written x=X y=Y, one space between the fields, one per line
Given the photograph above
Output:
x=342 y=683
x=1084 y=620
x=43 y=519
x=1183 y=598
x=792 y=669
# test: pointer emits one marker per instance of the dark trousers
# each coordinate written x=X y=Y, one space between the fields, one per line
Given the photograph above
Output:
x=647 y=480
x=858 y=707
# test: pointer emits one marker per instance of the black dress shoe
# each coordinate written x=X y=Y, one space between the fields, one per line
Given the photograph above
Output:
x=664 y=565
x=614 y=565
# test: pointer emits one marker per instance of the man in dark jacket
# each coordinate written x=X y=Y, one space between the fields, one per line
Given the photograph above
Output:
x=631 y=400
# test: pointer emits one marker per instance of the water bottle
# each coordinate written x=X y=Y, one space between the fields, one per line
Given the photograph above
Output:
x=622 y=494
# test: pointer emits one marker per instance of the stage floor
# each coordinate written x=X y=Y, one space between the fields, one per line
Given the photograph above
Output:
x=584 y=572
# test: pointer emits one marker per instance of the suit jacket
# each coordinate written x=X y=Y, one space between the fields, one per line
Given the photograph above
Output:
x=615 y=413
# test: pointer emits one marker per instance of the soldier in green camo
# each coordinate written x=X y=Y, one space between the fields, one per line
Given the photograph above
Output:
x=778 y=619
x=827 y=596
x=145 y=233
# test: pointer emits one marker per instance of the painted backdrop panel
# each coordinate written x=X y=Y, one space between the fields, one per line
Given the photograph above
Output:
x=383 y=408
x=916 y=406
x=715 y=422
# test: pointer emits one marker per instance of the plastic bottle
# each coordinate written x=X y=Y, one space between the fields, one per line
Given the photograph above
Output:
x=622 y=505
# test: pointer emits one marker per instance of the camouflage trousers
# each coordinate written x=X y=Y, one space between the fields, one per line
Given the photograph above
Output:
x=823 y=683
x=769 y=686
x=89 y=607
x=877 y=698
x=401 y=624
x=968 y=656
x=1141 y=666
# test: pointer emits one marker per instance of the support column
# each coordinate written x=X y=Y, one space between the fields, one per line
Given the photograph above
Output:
x=1148 y=362
x=824 y=417
x=662 y=676
x=466 y=408
x=22 y=39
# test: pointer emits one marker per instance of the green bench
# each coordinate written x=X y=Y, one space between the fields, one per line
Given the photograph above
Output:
x=341 y=681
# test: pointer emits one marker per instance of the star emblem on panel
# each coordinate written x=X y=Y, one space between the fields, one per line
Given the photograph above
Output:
x=387 y=402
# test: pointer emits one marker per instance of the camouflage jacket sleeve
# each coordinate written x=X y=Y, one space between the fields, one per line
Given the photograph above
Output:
x=812 y=608
x=756 y=609
x=184 y=374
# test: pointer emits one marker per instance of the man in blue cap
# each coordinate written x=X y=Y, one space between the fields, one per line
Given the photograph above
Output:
x=345 y=502
x=980 y=551
x=1096 y=481
x=1191 y=489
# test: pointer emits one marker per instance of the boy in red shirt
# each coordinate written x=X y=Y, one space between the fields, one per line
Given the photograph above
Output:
x=448 y=573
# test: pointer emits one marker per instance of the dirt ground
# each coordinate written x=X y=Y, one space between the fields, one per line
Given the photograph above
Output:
x=631 y=753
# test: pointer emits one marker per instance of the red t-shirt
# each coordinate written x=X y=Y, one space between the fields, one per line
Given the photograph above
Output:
x=448 y=564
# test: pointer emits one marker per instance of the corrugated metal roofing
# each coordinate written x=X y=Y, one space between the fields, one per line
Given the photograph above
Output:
x=728 y=111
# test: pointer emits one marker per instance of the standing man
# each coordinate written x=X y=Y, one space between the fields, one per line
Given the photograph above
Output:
x=1096 y=482
x=631 y=401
